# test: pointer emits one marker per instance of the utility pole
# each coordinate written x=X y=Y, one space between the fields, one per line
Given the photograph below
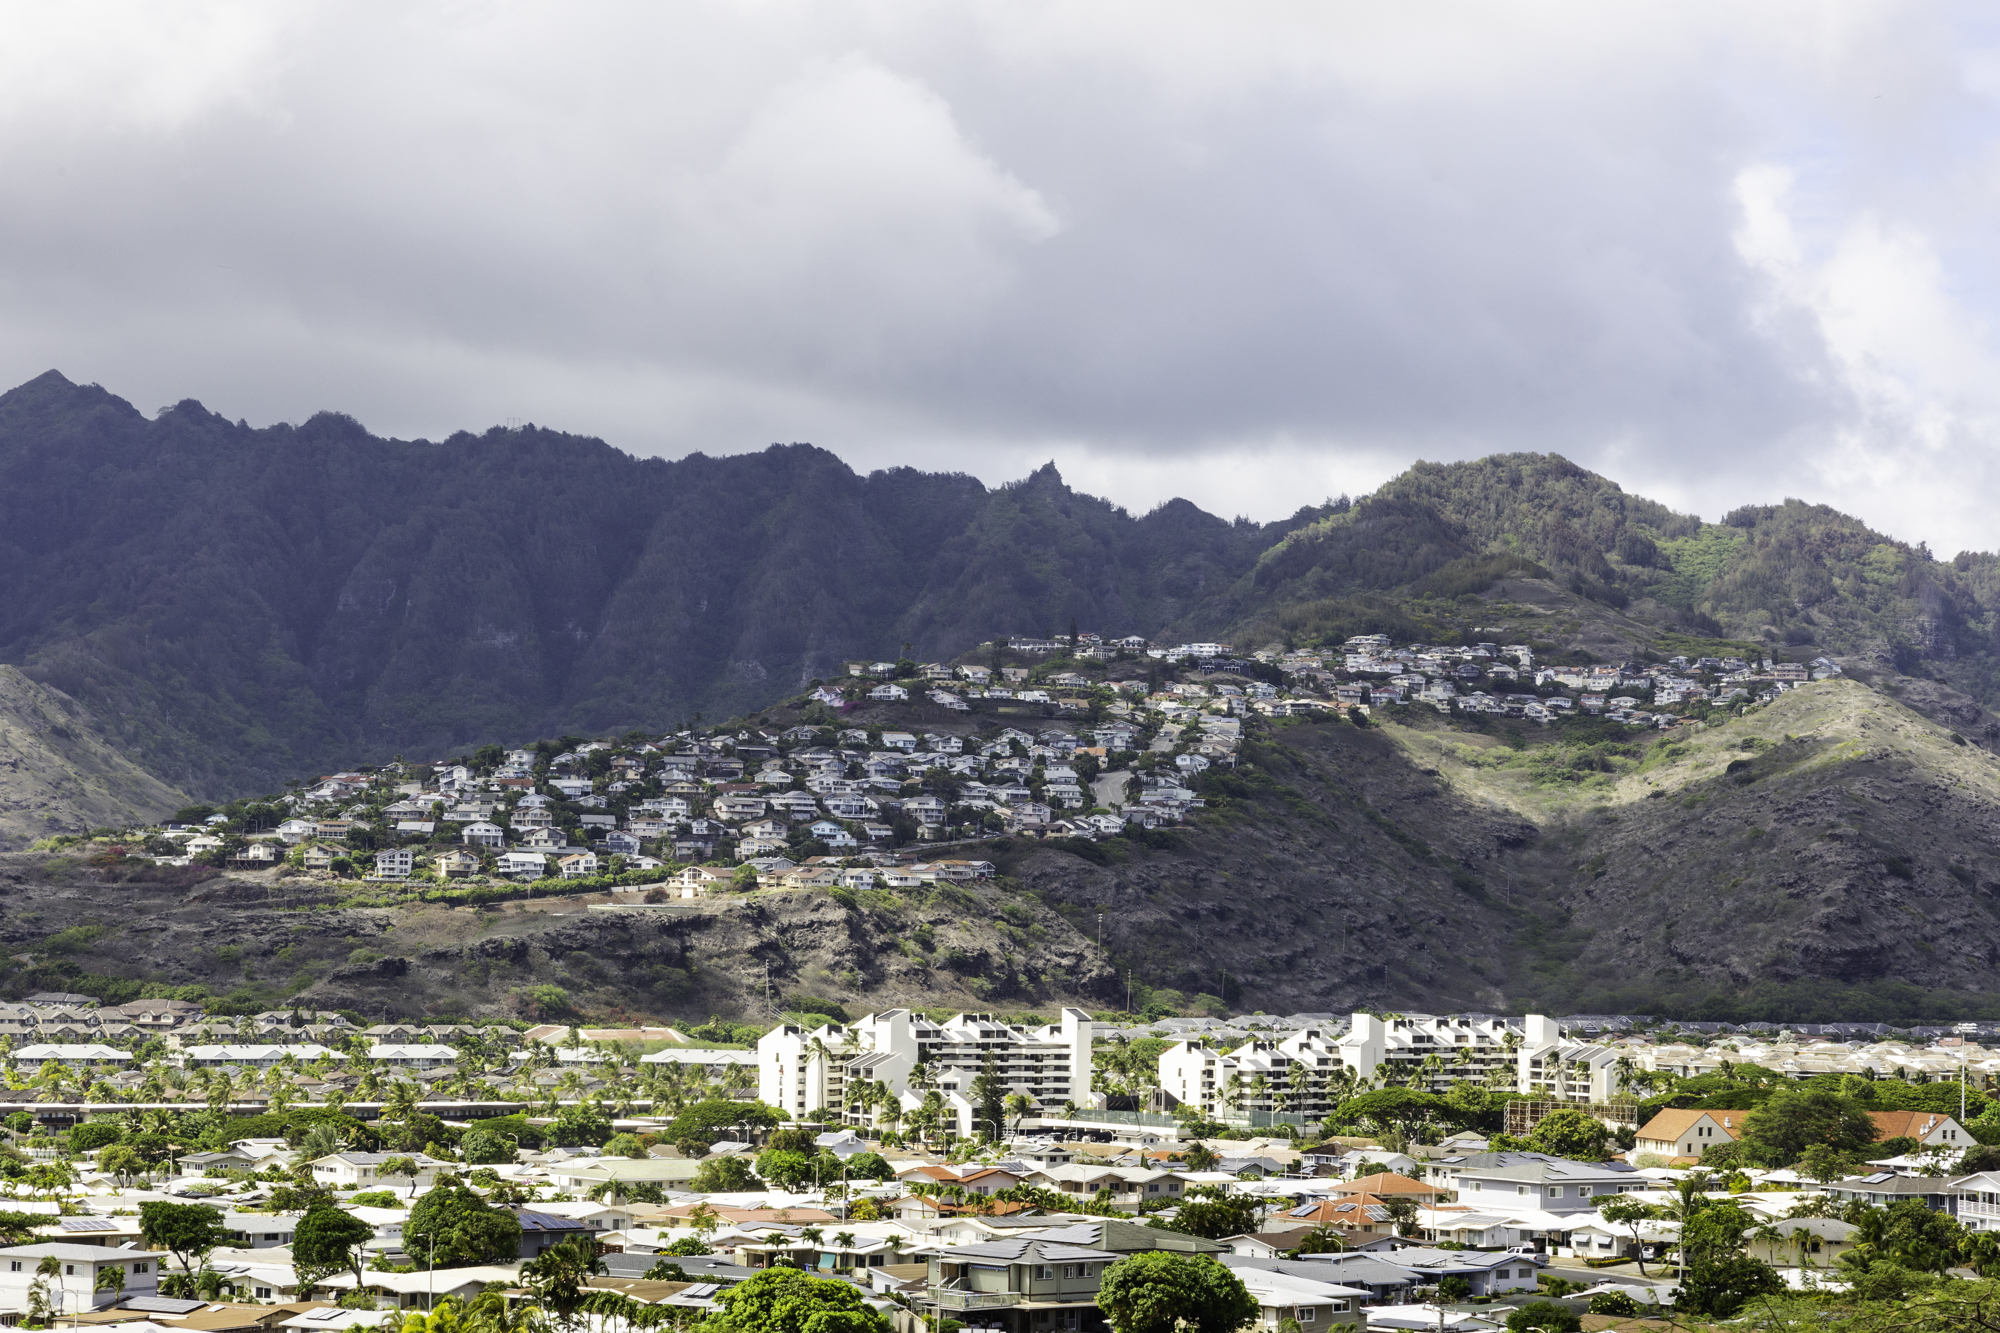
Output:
x=1965 y=1031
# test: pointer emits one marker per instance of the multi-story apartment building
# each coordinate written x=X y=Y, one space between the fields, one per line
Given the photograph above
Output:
x=1302 y=1074
x=811 y=1074
x=1310 y=1072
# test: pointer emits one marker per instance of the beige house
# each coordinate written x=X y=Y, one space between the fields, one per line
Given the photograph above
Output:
x=1687 y=1133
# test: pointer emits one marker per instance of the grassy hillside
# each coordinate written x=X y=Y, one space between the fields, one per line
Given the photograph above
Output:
x=57 y=773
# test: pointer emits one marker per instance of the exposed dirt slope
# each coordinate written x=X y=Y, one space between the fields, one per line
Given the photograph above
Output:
x=264 y=944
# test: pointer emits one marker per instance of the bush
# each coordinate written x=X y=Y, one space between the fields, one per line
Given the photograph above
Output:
x=94 y=1135
x=1546 y=1315
x=483 y=1147
x=1616 y=1303
x=375 y=1199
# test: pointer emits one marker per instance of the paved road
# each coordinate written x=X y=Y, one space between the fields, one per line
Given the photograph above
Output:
x=1109 y=788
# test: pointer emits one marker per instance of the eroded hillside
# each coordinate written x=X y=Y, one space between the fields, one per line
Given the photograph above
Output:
x=59 y=775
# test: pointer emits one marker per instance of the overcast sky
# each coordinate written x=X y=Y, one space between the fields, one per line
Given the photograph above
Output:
x=1250 y=254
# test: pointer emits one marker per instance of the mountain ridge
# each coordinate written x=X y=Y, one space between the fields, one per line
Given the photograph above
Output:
x=242 y=605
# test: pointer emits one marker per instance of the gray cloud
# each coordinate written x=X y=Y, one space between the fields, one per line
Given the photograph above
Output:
x=1247 y=254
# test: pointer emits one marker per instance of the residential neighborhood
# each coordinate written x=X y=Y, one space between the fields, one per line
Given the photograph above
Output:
x=1087 y=738
x=1356 y=1168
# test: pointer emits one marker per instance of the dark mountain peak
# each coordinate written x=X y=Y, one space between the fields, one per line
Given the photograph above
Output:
x=54 y=392
x=44 y=382
x=328 y=426
x=1043 y=478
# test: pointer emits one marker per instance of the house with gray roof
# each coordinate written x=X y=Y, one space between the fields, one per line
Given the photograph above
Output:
x=1502 y=1181
x=1026 y=1285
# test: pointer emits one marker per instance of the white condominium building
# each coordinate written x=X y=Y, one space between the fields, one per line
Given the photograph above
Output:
x=1301 y=1074
x=1309 y=1073
x=809 y=1074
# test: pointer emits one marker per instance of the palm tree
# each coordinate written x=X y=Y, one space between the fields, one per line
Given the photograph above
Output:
x=400 y=1101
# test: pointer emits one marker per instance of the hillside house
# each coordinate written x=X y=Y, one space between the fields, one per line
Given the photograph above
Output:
x=523 y=865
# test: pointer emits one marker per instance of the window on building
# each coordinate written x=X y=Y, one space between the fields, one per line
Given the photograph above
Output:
x=1048 y=1272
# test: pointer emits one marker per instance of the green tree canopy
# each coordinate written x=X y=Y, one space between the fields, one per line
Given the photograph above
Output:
x=1159 y=1291
x=463 y=1227
x=723 y=1175
x=785 y=1300
x=1393 y=1106
x=1212 y=1219
x=1790 y=1120
x=1573 y=1134
x=327 y=1240
x=1545 y=1315
x=187 y=1231
x=707 y=1120
x=786 y=1170
x=584 y=1125
x=483 y=1147
x=870 y=1166
x=95 y=1134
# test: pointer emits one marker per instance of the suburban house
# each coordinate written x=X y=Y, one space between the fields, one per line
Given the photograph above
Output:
x=1978 y=1200
x=1021 y=1286
x=1928 y=1128
x=1674 y=1134
x=1516 y=1181
x=76 y=1287
x=362 y=1170
x=1314 y=1304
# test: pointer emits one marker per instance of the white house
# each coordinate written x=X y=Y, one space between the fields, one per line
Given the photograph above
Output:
x=71 y=1055
x=523 y=865
x=76 y=1285
x=1314 y=1304
x=413 y=1056
x=250 y=1056
x=479 y=833
x=359 y=1170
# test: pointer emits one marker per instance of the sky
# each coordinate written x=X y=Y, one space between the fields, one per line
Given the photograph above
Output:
x=1252 y=254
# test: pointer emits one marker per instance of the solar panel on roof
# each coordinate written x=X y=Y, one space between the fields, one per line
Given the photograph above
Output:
x=88 y=1224
x=160 y=1305
x=702 y=1289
